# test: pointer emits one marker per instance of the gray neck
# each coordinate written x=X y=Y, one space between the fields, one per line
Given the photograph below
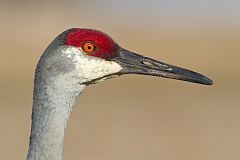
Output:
x=56 y=89
x=50 y=115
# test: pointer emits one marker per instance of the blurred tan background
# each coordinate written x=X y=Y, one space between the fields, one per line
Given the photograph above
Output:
x=131 y=117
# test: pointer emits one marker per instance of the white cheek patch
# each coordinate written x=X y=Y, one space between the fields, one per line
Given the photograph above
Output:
x=89 y=67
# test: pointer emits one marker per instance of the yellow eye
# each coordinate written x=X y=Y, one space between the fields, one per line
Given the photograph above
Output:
x=88 y=47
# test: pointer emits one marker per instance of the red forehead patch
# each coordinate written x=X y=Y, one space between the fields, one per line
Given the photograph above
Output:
x=105 y=47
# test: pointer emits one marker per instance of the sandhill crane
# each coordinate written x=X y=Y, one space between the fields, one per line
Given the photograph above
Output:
x=75 y=59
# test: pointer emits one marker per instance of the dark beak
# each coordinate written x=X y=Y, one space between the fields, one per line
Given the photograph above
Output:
x=133 y=63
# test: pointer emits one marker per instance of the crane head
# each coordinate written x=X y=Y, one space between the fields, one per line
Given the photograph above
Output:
x=97 y=57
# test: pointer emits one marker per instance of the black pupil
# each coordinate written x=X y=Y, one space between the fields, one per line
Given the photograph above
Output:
x=89 y=47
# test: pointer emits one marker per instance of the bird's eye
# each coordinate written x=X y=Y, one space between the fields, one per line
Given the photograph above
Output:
x=88 y=47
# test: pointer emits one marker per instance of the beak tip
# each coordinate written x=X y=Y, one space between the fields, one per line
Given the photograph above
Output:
x=210 y=82
x=207 y=81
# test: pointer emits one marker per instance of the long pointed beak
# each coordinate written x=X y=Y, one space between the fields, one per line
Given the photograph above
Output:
x=133 y=63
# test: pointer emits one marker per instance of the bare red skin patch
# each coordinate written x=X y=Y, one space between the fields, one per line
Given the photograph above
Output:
x=105 y=47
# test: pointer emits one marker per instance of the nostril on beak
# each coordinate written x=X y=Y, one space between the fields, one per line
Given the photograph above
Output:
x=148 y=63
x=157 y=65
x=153 y=64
